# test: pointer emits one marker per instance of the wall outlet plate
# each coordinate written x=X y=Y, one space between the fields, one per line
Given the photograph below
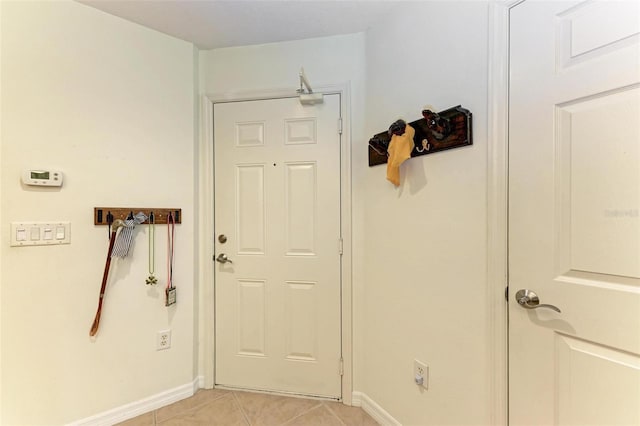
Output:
x=163 y=340
x=421 y=371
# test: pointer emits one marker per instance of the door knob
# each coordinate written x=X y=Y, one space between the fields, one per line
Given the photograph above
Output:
x=222 y=258
x=529 y=300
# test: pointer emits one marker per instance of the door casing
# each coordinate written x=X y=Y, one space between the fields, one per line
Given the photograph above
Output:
x=205 y=231
x=497 y=205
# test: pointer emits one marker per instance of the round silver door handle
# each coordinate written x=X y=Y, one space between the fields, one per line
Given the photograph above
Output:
x=529 y=300
x=222 y=258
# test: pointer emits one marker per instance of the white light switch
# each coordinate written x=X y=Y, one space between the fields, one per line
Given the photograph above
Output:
x=40 y=233
x=21 y=234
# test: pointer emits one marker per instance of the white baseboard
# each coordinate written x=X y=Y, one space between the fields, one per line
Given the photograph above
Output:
x=134 y=409
x=379 y=414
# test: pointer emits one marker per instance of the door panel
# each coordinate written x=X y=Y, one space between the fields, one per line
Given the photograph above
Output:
x=574 y=202
x=302 y=320
x=250 y=208
x=582 y=138
x=585 y=366
x=277 y=171
x=301 y=185
x=251 y=321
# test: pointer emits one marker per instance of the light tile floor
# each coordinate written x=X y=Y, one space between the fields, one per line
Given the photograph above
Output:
x=223 y=407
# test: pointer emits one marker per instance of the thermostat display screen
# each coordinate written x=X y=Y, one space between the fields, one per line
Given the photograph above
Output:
x=39 y=175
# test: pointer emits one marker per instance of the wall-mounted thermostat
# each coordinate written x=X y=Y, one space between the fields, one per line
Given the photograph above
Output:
x=42 y=177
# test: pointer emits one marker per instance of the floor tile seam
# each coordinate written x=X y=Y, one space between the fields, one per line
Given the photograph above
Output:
x=189 y=410
x=240 y=407
x=270 y=410
x=335 y=414
x=320 y=404
x=179 y=413
x=202 y=404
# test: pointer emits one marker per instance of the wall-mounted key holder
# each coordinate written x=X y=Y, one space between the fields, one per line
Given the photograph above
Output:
x=100 y=214
x=434 y=132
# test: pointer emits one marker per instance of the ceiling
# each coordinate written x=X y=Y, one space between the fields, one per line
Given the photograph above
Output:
x=213 y=24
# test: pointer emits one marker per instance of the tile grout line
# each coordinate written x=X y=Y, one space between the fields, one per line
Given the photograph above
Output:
x=184 y=411
x=244 y=415
x=302 y=414
x=334 y=414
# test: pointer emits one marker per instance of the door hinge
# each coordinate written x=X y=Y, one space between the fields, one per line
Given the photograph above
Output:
x=340 y=125
x=340 y=249
x=506 y=293
x=341 y=368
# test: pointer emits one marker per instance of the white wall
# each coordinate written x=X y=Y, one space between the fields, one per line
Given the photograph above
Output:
x=111 y=104
x=420 y=250
x=425 y=244
x=327 y=61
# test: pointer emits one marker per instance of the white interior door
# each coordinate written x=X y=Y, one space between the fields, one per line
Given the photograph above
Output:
x=277 y=203
x=574 y=221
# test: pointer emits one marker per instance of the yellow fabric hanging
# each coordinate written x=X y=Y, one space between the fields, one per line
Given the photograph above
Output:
x=399 y=151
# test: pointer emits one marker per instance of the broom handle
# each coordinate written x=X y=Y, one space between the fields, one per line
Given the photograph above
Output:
x=105 y=276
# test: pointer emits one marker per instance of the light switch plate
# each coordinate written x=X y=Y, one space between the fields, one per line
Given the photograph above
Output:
x=40 y=233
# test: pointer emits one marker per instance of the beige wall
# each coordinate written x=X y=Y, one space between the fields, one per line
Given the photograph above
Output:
x=425 y=242
x=111 y=104
x=419 y=251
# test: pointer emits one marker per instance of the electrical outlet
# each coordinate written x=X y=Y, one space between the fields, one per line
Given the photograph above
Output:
x=164 y=340
x=421 y=373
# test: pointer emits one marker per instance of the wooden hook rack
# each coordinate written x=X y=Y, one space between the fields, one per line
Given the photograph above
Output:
x=160 y=214
x=434 y=132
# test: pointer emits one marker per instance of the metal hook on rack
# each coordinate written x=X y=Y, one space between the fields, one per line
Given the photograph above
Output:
x=109 y=222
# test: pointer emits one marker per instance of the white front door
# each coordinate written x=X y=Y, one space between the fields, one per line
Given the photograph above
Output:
x=277 y=220
x=574 y=213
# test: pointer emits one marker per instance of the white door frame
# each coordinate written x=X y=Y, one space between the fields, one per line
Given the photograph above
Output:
x=497 y=204
x=205 y=231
